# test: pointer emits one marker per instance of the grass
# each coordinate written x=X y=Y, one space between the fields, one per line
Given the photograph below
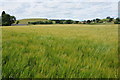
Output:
x=25 y=21
x=60 y=51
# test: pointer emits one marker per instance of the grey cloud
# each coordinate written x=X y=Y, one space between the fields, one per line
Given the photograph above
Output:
x=61 y=9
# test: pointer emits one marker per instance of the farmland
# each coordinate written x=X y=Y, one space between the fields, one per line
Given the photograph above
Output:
x=25 y=21
x=60 y=51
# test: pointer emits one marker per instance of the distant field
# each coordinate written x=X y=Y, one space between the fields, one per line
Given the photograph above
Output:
x=25 y=21
x=60 y=51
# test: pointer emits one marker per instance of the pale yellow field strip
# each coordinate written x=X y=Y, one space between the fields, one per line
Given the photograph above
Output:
x=13 y=26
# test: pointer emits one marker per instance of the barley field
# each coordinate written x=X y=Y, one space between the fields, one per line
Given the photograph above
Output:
x=60 y=51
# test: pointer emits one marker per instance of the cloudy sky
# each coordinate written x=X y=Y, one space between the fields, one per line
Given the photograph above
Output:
x=60 y=9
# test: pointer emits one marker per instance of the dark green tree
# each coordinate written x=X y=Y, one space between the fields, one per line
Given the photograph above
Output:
x=76 y=22
x=69 y=21
x=94 y=20
x=89 y=21
x=18 y=22
x=117 y=21
x=3 y=13
x=97 y=20
x=7 y=20
x=108 y=17
x=12 y=19
x=111 y=19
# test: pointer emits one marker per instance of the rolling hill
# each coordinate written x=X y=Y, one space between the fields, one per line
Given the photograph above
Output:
x=25 y=21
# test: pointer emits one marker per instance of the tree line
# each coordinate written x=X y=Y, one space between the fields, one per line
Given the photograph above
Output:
x=106 y=20
x=94 y=21
x=55 y=22
x=8 y=20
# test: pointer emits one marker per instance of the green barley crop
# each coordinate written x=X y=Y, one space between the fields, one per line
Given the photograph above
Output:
x=60 y=51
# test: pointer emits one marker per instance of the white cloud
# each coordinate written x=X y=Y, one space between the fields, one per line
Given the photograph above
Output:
x=60 y=0
x=75 y=9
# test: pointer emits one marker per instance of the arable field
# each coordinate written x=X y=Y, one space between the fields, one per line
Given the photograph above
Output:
x=25 y=21
x=60 y=51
